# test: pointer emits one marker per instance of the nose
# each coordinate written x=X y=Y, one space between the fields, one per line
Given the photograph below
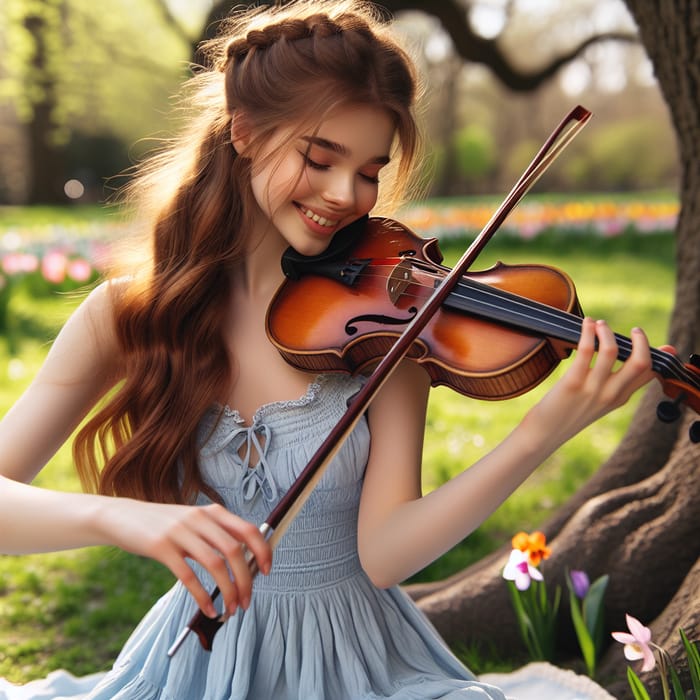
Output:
x=339 y=189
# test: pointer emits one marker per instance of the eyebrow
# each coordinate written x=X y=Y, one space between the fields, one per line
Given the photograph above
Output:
x=339 y=148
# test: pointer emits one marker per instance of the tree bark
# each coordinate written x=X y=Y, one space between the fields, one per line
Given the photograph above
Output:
x=637 y=519
x=46 y=159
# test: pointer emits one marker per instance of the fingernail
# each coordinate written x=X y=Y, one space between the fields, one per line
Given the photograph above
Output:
x=245 y=603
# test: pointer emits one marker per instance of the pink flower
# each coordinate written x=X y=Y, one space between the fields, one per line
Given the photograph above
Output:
x=53 y=267
x=637 y=643
x=519 y=570
x=17 y=263
x=79 y=270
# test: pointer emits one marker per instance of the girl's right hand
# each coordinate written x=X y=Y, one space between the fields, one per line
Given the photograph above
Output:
x=210 y=535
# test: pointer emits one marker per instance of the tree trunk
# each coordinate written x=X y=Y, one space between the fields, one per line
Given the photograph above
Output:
x=637 y=519
x=45 y=158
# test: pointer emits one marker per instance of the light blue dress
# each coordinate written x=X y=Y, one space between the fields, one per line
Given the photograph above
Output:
x=317 y=629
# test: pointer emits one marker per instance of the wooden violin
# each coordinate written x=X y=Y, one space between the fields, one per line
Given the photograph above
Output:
x=498 y=333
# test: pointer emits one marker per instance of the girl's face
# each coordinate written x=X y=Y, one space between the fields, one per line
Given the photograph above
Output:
x=323 y=180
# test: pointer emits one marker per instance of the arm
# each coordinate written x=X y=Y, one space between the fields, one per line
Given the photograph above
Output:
x=81 y=366
x=400 y=531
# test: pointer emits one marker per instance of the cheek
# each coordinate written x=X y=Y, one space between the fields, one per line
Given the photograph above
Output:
x=272 y=187
x=367 y=197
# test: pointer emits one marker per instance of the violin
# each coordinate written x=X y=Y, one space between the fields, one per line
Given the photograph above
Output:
x=498 y=334
x=380 y=294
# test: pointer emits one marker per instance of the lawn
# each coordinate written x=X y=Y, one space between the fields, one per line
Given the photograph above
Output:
x=74 y=609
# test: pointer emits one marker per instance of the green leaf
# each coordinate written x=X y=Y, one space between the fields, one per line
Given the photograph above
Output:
x=678 y=692
x=593 y=609
x=691 y=650
x=637 y=687
x=584 y=638
x=525 y=626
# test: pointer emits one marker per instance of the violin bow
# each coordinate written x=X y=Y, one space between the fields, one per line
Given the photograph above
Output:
x=279 y=519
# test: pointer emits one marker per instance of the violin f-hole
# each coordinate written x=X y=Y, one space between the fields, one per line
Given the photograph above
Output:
x=380 y=319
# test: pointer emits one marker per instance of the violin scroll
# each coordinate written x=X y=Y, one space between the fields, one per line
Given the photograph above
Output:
x=682 y=392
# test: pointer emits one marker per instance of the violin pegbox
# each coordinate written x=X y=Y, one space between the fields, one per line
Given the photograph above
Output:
x=686 y=392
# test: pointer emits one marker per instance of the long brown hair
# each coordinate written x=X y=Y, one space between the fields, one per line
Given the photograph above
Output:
x=281 y=66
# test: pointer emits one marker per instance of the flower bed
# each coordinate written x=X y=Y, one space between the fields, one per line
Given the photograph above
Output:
x=49 y=258
x=605 y=217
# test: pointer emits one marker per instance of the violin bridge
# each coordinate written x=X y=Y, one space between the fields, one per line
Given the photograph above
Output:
x=399 y=279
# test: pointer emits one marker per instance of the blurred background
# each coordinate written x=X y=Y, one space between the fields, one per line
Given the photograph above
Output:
x=85 y=87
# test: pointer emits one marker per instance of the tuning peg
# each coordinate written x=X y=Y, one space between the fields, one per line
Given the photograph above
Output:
x=669 y=411
x=694 y=431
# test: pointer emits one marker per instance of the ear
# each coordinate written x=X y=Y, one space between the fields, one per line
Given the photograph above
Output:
x=241 y=133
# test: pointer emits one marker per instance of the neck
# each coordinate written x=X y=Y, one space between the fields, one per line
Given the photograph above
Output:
x=260 y=272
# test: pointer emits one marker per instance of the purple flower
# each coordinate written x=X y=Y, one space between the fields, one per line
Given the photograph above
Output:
x=580 y=583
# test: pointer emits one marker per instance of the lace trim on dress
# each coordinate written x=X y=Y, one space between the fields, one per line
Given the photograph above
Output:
x=311 y=394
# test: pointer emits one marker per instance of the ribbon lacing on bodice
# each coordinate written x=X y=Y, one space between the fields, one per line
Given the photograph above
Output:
x=224 y=432
x=244 y=443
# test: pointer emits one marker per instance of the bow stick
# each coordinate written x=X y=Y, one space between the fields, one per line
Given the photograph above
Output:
x=294 y=499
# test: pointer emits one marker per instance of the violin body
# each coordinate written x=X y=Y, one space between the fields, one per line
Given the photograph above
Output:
x=497 y=334
x=320 y=323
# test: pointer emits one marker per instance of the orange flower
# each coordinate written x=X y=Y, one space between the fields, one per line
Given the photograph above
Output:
x=534 y=544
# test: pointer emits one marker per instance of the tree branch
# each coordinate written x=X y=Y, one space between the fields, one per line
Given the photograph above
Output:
x=172 y=21
x=476 y=49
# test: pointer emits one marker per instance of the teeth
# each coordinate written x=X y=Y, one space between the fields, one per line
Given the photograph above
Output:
x=318 y=219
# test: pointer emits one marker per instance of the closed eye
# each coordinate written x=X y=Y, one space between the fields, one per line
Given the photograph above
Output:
x=312 y=163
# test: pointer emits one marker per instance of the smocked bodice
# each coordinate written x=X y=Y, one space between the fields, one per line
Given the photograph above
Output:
x=252 y=465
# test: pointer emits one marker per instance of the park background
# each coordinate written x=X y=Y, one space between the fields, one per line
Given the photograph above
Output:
x=85 y=93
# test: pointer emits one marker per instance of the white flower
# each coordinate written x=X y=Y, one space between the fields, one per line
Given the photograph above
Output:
x=519 y=570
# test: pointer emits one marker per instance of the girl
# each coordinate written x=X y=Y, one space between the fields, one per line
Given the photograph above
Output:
x=201 y=426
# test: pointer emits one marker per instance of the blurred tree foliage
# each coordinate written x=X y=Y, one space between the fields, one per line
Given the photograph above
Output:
x=88 y=75
x=476 y=155
x=83 y=83
x=613 y=160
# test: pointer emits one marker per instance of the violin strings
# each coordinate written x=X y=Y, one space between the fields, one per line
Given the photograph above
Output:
x=559 y=321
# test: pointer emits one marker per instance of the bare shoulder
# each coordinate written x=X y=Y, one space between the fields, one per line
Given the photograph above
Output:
x=404 y=393
x=99 y=305
x=87 y=344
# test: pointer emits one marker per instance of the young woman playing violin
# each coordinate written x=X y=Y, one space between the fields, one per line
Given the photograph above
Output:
x=200 y=426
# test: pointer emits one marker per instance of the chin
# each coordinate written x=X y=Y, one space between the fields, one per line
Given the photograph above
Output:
x=311 y=248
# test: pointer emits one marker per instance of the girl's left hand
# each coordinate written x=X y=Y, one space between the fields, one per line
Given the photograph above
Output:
x=592 y=385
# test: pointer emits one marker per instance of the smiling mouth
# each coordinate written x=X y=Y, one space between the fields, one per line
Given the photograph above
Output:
x=320 y=220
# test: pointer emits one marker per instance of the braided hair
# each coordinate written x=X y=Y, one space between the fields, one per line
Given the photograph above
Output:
x=284 y=66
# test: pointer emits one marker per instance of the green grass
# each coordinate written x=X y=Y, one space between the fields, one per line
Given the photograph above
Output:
x=75 y=609
x=14 y=216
